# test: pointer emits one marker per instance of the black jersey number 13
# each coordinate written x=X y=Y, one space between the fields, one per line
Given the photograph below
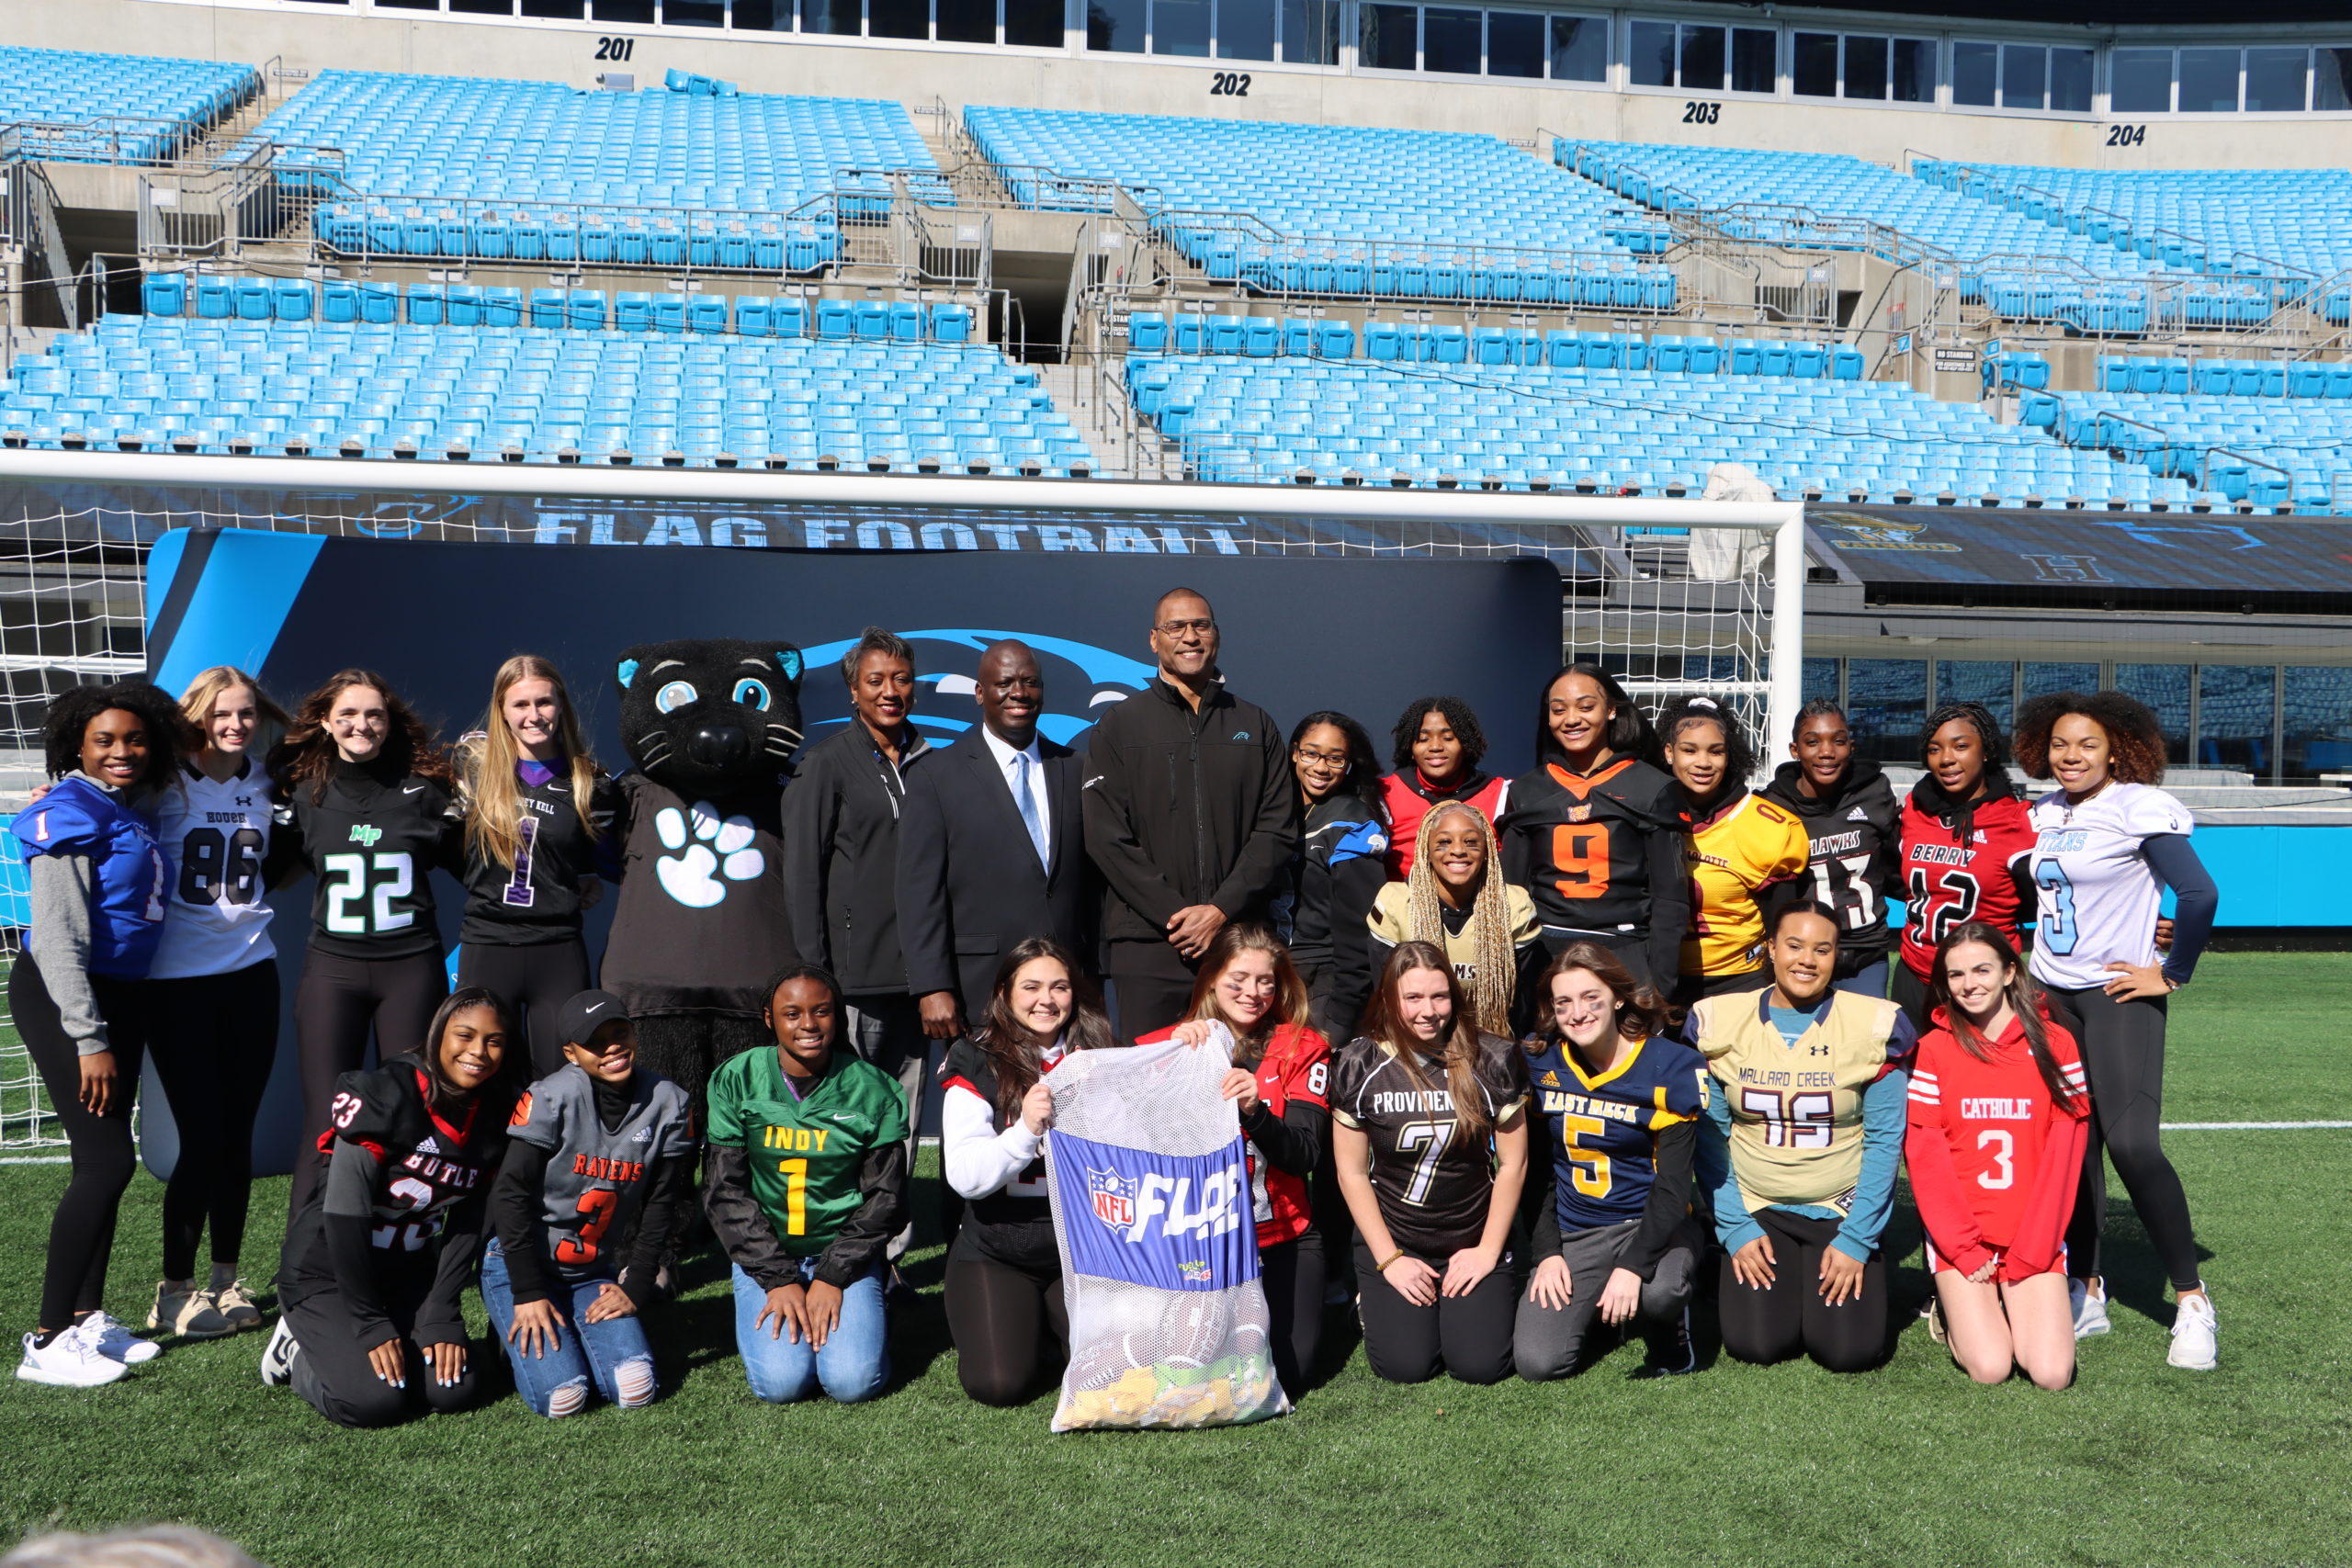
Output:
x=359 y=900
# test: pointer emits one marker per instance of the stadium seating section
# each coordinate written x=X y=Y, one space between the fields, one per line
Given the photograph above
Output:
x=541 y=390
x=453 y=166
x=1341 y=209
x=142 y=97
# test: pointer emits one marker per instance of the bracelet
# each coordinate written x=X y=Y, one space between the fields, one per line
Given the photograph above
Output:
x=1382 y=1267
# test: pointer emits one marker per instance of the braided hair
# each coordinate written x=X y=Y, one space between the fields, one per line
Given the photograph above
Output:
x=1990 y=742
x=1491 y=991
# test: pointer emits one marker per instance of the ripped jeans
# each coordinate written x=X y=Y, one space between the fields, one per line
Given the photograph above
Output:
x=611 y=1358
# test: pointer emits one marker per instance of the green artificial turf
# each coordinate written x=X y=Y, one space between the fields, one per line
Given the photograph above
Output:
x=2137 y=1465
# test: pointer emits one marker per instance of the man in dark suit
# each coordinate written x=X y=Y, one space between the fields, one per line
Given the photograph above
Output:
x=991 y=849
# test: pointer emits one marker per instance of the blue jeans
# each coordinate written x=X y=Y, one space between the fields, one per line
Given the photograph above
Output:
x=1869 y=982
x=598 y=1355
x=852 y=1367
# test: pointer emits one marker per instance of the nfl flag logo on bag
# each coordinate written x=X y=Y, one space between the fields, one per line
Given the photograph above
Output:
x=1149 y=1181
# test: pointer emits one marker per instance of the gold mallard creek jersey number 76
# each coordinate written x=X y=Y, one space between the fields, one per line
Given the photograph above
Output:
x=1796 y=1110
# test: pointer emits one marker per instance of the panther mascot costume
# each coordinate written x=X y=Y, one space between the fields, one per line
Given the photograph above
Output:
x=700 y=921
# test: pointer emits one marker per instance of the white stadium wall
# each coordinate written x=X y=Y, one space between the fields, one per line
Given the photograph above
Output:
x=311 y=38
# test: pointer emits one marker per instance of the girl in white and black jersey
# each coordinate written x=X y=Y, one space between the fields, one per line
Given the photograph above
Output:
x=1004 y=1271
x=539 y=811
x=365 y=802
x=2107 y=843
x=213 y=989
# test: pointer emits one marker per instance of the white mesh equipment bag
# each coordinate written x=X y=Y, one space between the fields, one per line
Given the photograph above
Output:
x=1150 y=1190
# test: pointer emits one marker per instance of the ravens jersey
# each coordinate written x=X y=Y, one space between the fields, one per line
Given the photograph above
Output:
x=596 y=1177
x=1746 y=847
x=1579 y=843
x=1432 y=1180
x=1602 y=1128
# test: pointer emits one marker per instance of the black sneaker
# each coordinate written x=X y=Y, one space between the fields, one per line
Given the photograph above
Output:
x=1671 y=1353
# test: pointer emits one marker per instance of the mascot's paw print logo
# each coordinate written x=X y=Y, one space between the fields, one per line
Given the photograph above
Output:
x=720 y=852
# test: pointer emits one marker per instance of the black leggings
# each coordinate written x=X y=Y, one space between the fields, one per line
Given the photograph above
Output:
x=214 y=1038
x=81 y=1235
x=1292 y=1274
x=536 y=981
x=1909 y=992
x=1770 y=1325
x=1000 y=1317
x=334 y=1375
x=2123 y=1057
x=338 y=1002
x=1466 y=1336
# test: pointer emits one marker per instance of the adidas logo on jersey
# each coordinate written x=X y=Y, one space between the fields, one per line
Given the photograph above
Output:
x=1858 y=814
x=644 y=1136
x=429 y=1147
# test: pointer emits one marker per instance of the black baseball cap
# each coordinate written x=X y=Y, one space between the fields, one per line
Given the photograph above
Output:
x=586 y=1012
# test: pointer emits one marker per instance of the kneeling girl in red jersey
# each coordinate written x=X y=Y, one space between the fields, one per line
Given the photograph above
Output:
x=1995 y=1143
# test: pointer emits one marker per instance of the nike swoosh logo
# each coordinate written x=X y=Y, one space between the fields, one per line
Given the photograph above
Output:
x=412 y=789
x=594 y=1006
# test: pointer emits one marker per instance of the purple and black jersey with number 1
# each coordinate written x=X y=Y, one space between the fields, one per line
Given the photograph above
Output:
x=536 y=900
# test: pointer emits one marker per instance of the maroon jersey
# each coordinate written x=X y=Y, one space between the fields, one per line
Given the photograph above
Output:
x=1946 y=881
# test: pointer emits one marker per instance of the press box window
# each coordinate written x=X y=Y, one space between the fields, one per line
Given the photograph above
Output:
x=1581 y=48
x=1703 y=58
x=1896 y=69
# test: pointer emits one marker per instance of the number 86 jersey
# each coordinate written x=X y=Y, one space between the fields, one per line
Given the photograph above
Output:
x=215 y=838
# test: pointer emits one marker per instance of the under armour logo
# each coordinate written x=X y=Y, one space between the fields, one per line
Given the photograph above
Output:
x=367 y=833
x=1821 y=1050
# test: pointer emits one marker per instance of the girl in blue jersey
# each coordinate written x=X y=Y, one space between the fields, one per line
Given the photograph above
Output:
x=1617 y=1105
x=77 y=994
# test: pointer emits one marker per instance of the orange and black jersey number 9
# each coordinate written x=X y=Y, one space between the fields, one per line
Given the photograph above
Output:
x=1580 y=857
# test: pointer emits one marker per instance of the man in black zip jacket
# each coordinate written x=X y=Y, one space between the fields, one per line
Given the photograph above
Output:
x=1191 y=816
x=841 y=866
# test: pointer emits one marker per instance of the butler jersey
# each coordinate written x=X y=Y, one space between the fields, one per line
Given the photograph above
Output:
x=1295 y=1070
x=2099 y=898
x=537 y=899
x=1946 y=881
x=596 y=1177
x=1579 y=843
x=425 y=1166
x=1602 y=1128
x=1994 y=1120
x=704 y=923
x=1733 y=856
x=1432 y=1179
x=215 y=835
x=371 y=840
x=805 y=1144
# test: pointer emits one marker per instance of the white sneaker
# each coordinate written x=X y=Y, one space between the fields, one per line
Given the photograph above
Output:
x=277 y=1356
x=118 y=1343
x=2090 y=1308
x=2192 y=1334
x=72 y=1359
x=180 y=1308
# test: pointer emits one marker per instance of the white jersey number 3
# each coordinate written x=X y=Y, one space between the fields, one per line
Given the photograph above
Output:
x=2004 y=1146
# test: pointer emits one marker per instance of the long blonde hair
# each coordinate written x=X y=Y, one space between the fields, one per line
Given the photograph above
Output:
x=1490 y=990
x=206 y=689
x=493 y=801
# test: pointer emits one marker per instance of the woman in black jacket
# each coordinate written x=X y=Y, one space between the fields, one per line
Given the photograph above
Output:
x=1339 y=871
x=1855 y=830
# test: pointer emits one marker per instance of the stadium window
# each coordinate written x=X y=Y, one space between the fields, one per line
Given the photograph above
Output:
x=483 y=7
x=763 y=15
x=898 y=18
x=2164 y=688
x=2317 y=737
x=1453 y=40
x=1181 y=27
x=1032 y=24
x=1915 y=71
x=839 y=17
x=2025 y=76
x=2070 y=81
x=1514 y=44
x=1755 y=59
x=2208 y=81
x=1390 y=37
x=1886 y=702
x=1701 y=58
x=1990 y=682
x=1813 y=65
x=1975 y=72
x=2044 y=678
x=1310 y=32
x=1115 y=25
x=1649 y=54
x=1820 y=678
x=2332 y=79
x=642 y=10
x=1244 y=29
x=2140 y=81
x=1865 y=67
x=1581 y=48
x=2274 y=80
x=2233 y=715
x=699 y=14
x=571 y=10
x=967 y=21
x=435 y=5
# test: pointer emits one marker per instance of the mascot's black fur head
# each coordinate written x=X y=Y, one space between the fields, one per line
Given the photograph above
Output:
x=711 y=716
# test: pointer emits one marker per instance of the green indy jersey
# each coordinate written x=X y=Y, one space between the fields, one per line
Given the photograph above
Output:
x=804 y=1151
